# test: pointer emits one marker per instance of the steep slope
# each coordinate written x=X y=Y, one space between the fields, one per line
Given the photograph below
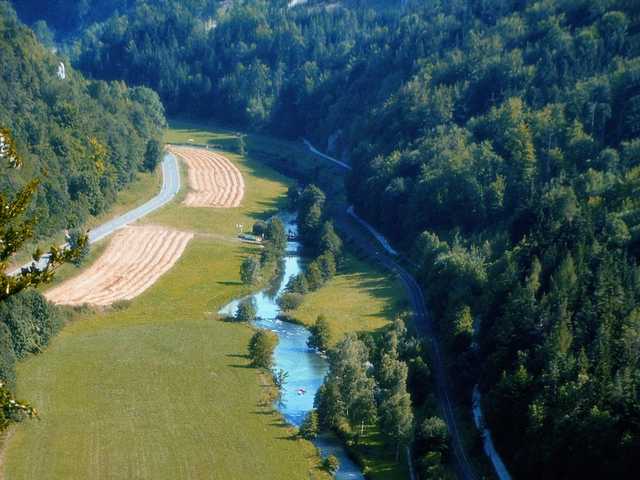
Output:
x=84 y=139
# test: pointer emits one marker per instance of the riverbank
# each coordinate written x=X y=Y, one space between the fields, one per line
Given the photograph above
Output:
x=159 y=389
x=305 y=368
x=369 y=299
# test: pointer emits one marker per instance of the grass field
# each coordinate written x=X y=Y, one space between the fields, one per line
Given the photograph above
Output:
x=160 y=389
x=360 y=298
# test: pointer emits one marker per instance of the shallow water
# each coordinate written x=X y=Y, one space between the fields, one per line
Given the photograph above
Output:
x=306 y=368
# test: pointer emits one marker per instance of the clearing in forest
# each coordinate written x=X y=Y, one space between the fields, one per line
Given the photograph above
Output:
x=214 y=181
x=134 y=260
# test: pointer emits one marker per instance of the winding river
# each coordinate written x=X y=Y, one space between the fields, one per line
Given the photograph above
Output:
x=306 y=369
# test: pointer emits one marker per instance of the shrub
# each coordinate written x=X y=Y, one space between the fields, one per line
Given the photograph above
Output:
x=310 y=426
x=298 y=284
x=261 y=347
x=31 y=320
x=314 y=276
x=290 y=301
x=7 y=358
x=246 y=311
x=152 y=155
x=250 y=271
x=259 y=228
x=327 y=265
x=73 y=239
x=331 y=464
x=320 y=334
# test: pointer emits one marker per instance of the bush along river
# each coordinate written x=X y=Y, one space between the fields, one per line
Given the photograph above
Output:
x=306 y=368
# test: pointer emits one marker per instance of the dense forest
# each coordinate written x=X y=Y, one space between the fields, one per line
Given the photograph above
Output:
x=84 y=140
x=498 y=141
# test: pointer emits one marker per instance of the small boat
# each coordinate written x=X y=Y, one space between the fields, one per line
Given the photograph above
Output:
x=301 y=391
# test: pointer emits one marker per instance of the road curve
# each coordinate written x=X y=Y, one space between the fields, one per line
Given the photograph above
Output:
x=170 y=187
x=423 y=321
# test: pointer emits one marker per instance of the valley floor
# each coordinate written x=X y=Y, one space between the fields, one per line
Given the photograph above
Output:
x=159 y=388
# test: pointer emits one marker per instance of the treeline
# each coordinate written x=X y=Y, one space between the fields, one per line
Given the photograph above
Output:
x=27 y=323
x=63 y=20
x=385 y=382
x=382 y=381
x=253 y=63
x=509 y=164
x=322 y=245
x=84 y=140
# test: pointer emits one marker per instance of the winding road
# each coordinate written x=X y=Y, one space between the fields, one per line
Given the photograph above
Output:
x=170 y=187
x=362 y=235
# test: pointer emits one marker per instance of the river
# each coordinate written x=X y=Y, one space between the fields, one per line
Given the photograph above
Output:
x=306 y=369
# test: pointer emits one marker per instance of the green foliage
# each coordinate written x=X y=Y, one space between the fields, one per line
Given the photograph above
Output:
x=7 y=358
x=502 y=150
x=347 y=393
x=298 y=284
x=246 y=311
x=330 y=241
x=395 y=410
x=27 y=321
x=76 y=241
x=276 y=235
x=310 y=215
x=152 y=155
x=279 y=377
x=310 y=426
x=250 y=270
x=320 y=337
x=314 y=276
x=31 y=320
x=435 y=435
x=261 y=347
x=331 y=464
x=259 y=228
x=290 y=301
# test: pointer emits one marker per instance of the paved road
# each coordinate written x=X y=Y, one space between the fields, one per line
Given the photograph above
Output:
x=326 y=157
x=365 y=240
x=170 y=187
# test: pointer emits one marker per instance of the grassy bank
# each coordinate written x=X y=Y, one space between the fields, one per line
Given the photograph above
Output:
x=161 y=389
x=360 y=298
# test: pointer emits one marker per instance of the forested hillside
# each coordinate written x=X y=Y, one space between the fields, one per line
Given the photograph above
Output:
x=64 y=20
x=510 y=164
x=84 y=140
x=496 y=140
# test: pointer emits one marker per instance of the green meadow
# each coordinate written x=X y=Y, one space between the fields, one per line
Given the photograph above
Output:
x=159 y=388
x=360 y=298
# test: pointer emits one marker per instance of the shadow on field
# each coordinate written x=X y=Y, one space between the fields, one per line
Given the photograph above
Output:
x=267 y=209
x=265 y=413
x=238 y=365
